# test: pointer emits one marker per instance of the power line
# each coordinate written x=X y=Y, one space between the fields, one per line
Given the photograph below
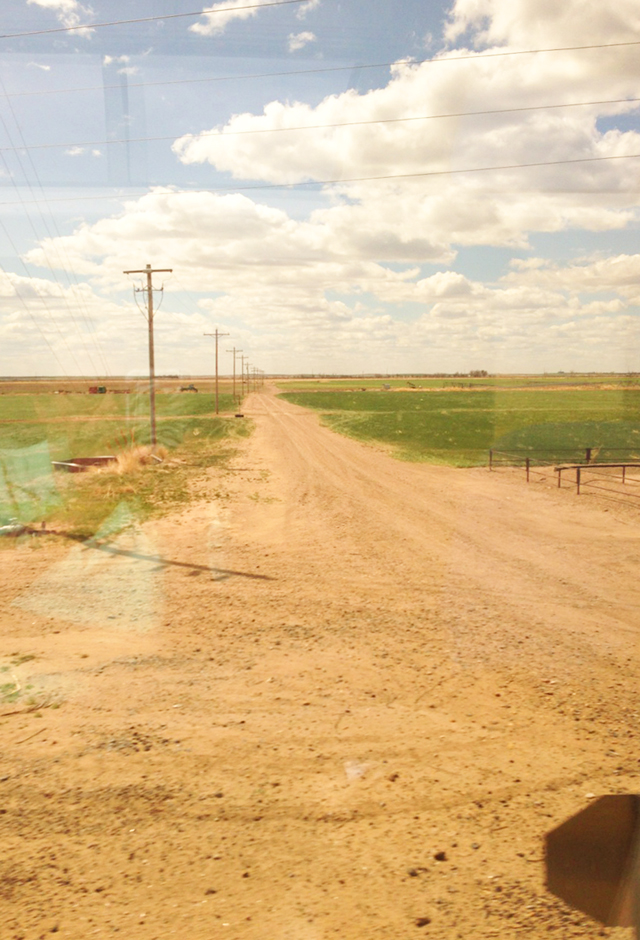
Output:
x=477 y=169
x=79 y=297
x=348 y=179
x=423 y=117
x=184 y=290
x=33 y=228
x=146 y=19
x=45 y=306
x=320 y=71
x=36 y=323
x=314 y=127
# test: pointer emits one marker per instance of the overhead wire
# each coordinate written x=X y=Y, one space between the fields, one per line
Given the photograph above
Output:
x=326 y=69
x=184 y=290
x=144 y=312
x=308 y=127
x=145 y=290
x=61 y=264
x=65 y=266
x=29 y=313
x=52 y=319
x=146 y=19
x=349 y=179
x=478 y=169
x=29 y=310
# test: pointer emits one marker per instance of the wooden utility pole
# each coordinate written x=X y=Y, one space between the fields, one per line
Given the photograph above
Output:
x=149 y=271
x=242 y=359
x=234 y=351
x=217 y=335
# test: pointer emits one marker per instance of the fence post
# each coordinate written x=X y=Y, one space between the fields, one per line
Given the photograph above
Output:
x=559 y=477
x=527 y=463
x=578 y=480
x=490 y=460
x=587 y=455
x=623 y=471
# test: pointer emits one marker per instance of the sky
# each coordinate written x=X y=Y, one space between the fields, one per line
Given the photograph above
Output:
x=339 y=187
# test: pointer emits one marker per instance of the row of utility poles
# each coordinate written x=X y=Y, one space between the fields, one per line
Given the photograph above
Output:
x=250 y=377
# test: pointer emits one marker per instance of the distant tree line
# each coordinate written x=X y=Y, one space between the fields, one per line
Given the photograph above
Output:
x=475 y=374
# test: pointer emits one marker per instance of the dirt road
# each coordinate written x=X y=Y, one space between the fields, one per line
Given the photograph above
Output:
x=341 y=696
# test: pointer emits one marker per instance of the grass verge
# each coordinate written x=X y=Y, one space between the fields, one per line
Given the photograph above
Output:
x=80 y=504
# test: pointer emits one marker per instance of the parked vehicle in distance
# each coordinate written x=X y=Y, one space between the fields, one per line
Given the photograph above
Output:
x=188 y=388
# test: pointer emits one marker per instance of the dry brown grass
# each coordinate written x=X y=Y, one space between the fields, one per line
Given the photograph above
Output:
x=127 y=461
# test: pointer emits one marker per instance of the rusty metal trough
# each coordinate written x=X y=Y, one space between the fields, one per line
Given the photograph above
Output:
x=80 y=464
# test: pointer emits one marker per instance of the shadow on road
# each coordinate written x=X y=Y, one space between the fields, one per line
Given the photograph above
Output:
x=164 y=562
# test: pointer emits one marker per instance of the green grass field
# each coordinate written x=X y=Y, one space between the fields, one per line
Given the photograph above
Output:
x=49 y=406
x=460 y=427
x=561 y=380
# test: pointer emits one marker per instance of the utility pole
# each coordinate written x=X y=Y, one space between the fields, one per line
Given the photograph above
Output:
x=149 y=271
x=217 y=335
x=234 y=351
x=243 y=359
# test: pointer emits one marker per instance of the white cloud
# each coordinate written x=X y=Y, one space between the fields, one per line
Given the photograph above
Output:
x=71 y=13
x=307 y=7
x=268 y=273
x=62 y=6
x=36 y=65
x=415 y=146
x=360 y=274
x=300 y=40
x=218 y=16
x=75 y=151
x=49 y=328
x=500 y=207
x=619 y=274
x=206 y=232
x=538 y=24
x=110 y=59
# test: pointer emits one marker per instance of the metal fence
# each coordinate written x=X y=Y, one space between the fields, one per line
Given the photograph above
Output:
x=582 y=471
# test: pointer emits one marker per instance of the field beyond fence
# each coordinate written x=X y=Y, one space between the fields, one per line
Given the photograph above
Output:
x=460 y=428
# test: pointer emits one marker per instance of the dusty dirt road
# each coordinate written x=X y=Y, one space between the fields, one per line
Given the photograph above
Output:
x=340 y=696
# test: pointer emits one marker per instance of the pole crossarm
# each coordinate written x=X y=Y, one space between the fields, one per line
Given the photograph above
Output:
x=150 y=270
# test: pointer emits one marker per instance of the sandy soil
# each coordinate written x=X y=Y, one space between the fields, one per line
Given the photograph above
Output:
x=340 y=696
